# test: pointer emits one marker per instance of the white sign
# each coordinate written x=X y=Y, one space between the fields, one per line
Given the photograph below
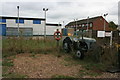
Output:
x=101 y=34
x=108 y=34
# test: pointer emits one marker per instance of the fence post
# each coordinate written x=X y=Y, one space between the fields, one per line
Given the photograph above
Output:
x=119 y=57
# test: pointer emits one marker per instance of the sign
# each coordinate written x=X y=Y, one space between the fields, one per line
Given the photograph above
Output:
x=57 y=35
x=108 y=34
x=101 y=34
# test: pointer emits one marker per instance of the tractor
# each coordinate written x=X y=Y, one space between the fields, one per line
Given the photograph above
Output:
x=79 y=45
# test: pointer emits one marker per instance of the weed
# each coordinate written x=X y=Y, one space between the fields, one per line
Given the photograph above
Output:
x=6 y=73
x=94 y=67
x=88 y=73
x=13 y=46
x=7 y=62
x=62 y=76
x=14 y=75
x=33 y=55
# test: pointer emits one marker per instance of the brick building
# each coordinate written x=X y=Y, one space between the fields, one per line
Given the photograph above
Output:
x=95 y=23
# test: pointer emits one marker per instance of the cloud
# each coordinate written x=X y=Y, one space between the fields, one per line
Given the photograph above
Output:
x=119 y=13
x=66 y=10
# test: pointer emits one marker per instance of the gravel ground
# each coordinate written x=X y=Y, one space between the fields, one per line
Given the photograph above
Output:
x=43 y=66
x=46 y=66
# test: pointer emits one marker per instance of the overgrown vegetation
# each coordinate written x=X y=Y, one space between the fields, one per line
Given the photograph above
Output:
x=7 y=65
x=62 y=76
x=13 y=46
x=94 y=63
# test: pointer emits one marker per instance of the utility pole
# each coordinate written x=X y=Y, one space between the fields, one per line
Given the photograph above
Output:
x=63 y=24
x=75 y=26
x=18 y=20
x=44 y=9
x=104 y=21
x=87 y=22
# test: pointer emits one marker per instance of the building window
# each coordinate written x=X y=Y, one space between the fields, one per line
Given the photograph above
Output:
x=83 y=25
x=80 y=25
x=36 y=22
x=3 y=20
x=91 y=24
x=87 y=25
x=20 y=21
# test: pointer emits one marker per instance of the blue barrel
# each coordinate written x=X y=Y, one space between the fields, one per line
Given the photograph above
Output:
x=2 y=29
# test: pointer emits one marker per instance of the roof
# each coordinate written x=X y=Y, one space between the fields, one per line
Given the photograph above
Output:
x=26 y=18
x=49 y=24
x=84 y=21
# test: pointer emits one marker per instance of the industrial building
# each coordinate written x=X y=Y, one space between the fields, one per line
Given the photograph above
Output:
x=27 y=26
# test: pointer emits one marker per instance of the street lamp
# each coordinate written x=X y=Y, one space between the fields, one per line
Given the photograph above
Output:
x=18 y=20
x=104 y=21
x=45 y=9
x=76 y=25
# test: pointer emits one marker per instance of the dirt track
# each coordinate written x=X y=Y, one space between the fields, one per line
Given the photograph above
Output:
x=46 y=66
x=43 y=66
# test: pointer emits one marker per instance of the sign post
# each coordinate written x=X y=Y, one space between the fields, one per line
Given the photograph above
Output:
x=117 y=69
x=57 y=36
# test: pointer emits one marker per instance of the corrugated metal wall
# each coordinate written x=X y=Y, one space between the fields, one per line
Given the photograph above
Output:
x=10 y=31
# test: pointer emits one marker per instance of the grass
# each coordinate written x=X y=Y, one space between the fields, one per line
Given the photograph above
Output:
x=90 y=67
x=62 y=76
x=7 y=65
x=83 y=73
x=13 y=46
x=7 y=62
x=14 y=75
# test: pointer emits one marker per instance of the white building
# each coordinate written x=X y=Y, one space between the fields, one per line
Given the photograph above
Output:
x=27 y=26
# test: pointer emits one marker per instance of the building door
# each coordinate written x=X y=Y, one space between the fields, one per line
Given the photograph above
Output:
x=2 y=29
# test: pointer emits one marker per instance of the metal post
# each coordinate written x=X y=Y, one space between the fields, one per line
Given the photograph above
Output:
x=105 y=22
x=60 y=27
x=111 y=39
x=18 y=20
x=87 y=22
x=118 y=50
x=45 y=26
x=63 y=24
x=45 y=23
x=104 y=25
x=76 y=27
x=82 y=34
x=119 y=57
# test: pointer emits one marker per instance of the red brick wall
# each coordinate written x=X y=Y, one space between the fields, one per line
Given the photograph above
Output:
x=98 y=24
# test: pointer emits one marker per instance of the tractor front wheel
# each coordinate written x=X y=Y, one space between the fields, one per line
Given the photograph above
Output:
x=79 y=54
